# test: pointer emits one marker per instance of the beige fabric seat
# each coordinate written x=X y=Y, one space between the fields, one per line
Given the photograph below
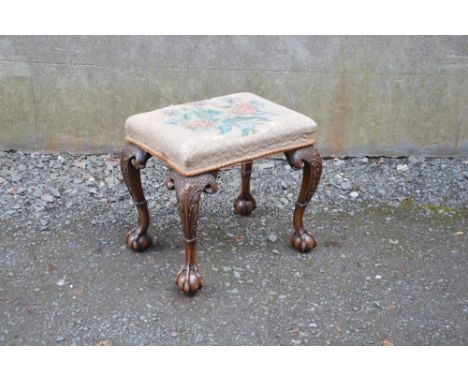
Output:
x=201 y=136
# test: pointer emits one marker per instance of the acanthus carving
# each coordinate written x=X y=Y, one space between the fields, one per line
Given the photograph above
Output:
x=188 y=193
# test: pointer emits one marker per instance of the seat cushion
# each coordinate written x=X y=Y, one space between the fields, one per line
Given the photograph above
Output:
x=201 y=136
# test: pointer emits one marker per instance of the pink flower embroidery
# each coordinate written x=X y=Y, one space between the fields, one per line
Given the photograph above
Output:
x=243 y=109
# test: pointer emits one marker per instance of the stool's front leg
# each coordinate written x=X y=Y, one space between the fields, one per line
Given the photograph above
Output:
x=188 y=192
x=309 y=160
x=132 y=160
x=245 y=202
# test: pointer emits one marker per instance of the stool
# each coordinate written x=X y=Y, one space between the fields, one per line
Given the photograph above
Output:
x=198 y=139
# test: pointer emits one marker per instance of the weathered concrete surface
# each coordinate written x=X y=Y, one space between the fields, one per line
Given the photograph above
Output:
x=392 y=95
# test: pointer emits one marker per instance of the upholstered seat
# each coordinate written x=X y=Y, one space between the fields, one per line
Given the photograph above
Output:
x=197 y=137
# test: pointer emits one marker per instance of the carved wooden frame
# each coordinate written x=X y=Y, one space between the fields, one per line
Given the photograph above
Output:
x=188 y=192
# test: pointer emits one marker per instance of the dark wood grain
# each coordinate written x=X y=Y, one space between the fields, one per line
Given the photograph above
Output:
x=245 y=202
x=309 y=160
x=188 y=192
x=132 y=160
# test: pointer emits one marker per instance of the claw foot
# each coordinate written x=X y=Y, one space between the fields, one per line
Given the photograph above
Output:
x=138 y=241
x=303 y=241
x=189 y=279
x=244 y=206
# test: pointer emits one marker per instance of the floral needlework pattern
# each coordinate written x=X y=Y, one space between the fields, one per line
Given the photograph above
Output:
x=225 y=115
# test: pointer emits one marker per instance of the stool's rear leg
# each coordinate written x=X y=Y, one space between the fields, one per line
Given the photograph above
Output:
x=309 y=160
x=188 y=192
x=132 y=160
x=245 y=202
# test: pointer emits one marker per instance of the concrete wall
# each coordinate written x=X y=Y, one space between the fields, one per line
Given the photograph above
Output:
x=369 y=95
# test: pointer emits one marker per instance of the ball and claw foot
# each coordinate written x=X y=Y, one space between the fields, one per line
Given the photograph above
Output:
x=303 y=241
x=189 y=280
x=244 y=206
x=138 y=241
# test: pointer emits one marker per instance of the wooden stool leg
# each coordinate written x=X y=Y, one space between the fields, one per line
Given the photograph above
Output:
x=245 y=202
x=132 y=160
x=309 y=160
x=188 y=192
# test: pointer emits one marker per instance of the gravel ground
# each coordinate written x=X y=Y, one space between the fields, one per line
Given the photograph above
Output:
x=391 y=265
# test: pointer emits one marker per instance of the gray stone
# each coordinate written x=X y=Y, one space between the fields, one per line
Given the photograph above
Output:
x=54 y=191
x=272 y=237
x=354 y=195
x=346 y=185
x=17 y=177
x=110 y=181
x=284 y=201
x=266 y=164
x=47 y=198
x=402 y=168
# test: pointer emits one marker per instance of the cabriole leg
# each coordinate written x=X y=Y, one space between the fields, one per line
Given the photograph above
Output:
x=307 y=158
x=132 y=160
x=245 y=202
x=188 y=192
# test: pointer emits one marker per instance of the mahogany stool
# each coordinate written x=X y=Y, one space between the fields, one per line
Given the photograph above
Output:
x=196 y=140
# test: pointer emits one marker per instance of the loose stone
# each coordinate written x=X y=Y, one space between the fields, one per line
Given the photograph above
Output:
x=272 y=237
x=47 y=198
